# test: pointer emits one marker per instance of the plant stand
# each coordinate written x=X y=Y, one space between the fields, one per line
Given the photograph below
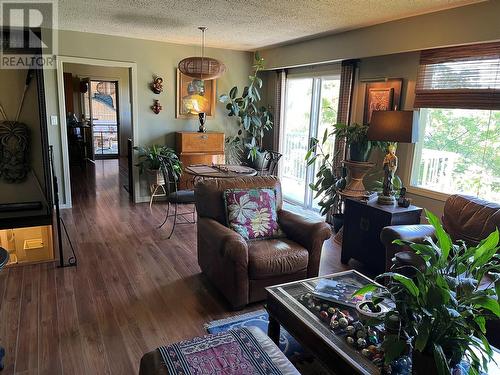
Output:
x=356 y=171
x=156 y=183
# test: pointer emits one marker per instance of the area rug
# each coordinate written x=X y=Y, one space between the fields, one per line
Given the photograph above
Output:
x=305 y=363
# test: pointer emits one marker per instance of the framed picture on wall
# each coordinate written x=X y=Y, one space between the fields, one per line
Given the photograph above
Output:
x=193 y=97
x=382 y=96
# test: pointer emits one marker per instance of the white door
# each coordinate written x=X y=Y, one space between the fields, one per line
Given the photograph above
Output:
x=311 y=105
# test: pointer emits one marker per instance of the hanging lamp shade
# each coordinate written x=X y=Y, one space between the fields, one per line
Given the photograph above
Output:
x=201 y=67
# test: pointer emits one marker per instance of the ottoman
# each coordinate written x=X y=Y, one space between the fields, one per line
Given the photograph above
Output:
x=240 y=351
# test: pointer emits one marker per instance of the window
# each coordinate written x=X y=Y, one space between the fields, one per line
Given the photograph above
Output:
x=459 y=152
x=458 y=93
x=310 y=107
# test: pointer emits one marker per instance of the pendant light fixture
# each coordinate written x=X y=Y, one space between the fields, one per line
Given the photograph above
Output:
x=201 y=67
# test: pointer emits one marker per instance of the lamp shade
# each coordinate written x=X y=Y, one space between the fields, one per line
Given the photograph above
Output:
x=392 y=126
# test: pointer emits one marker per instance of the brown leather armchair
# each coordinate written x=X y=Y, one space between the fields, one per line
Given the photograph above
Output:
x=240 y=269
x=465 y=218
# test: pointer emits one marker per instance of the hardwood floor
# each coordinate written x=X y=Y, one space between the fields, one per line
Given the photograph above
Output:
x=132 y=291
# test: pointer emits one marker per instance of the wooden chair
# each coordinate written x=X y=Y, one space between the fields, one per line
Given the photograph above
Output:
x=175 y=196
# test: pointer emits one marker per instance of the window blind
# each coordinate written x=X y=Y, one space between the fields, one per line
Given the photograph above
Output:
x=459 y=77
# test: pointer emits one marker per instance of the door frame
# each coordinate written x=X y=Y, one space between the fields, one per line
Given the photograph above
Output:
x=61 y=60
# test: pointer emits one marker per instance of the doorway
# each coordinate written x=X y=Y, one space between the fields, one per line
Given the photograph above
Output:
x=100 y=109
x=98 y=118
x=311 y=105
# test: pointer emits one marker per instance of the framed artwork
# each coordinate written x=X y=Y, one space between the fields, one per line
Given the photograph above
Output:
x=188 y=103
x=382 y=96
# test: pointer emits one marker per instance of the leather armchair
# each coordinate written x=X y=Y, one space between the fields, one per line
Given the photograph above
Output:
x=241 y=270
x=465 y=218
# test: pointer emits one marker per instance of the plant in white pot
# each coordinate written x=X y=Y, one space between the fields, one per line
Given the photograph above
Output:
x=253 y=120
x=441 y=310
x=149 y=162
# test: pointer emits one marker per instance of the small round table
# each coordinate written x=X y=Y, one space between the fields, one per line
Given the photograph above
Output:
x=201 y=172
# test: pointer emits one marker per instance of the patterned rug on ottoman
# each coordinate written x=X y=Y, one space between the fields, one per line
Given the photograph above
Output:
x=305 y=363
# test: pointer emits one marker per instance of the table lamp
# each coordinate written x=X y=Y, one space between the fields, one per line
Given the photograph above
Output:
x=391 y=126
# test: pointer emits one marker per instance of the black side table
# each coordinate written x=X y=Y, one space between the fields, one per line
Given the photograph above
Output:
x=363 y=222
x=4 y=258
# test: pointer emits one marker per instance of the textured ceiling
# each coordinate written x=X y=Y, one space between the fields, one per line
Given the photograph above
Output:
x=236 y=24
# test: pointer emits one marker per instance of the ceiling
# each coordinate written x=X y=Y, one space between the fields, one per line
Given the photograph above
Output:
x=236 y=24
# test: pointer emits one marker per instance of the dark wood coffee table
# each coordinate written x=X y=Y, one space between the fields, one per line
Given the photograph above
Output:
x=285 y=310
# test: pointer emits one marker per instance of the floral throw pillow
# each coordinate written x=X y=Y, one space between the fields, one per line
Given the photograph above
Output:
x=252 y=213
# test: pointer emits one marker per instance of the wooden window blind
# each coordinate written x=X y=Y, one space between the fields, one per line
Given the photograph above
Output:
x=459 y=77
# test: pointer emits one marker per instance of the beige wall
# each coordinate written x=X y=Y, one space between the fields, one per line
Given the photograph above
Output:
x=124 y=99
x=468 y=24
x=151 y=58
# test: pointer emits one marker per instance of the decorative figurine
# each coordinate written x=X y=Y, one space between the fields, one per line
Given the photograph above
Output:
x=202 y=116
x=343 y=322
x=390 y=167
x=156 y=107
x=361 y=342
x=402 y=200
x=157 y=85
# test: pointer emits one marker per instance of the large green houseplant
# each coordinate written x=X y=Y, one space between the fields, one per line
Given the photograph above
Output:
x=329 y=181
x=253 y=120
x=149 y=162
x=442 y=309
x=356 y=139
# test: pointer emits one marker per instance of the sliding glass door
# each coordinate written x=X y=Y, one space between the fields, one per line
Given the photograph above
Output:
x=310 y=107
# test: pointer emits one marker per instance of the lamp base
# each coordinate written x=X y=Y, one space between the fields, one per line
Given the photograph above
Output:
x=386 y=200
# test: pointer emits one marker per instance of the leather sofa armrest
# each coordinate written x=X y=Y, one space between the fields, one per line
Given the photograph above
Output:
x=308 y=233
x=413 y=233
x=224 y=240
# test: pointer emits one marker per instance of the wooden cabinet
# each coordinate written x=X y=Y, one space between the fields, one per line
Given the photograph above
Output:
x=363 y=223
x=198 y=148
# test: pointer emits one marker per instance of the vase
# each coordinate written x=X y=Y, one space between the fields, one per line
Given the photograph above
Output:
x=360 y=151
x=261 y=161
x=338 y=222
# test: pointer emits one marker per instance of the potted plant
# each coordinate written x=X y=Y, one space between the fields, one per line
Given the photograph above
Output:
x=328 y=184
x=355 y=135
x=441 y=309
x=149 y=161
x=253 y=121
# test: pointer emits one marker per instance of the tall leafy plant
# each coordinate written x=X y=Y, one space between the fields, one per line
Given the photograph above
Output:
x=149 y=158
x=442 y=310
x=253 y=120
x=327 y=185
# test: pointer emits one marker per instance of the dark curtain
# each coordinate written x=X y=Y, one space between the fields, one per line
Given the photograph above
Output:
x=279 y=101
x=347 y=77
